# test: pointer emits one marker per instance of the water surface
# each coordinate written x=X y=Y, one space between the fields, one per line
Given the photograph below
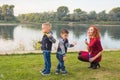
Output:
x=23 y=37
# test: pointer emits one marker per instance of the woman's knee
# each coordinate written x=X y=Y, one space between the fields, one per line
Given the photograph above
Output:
x=80 y=57
x=80 y=53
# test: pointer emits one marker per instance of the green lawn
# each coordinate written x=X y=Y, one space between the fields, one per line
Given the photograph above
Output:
x=27 y=67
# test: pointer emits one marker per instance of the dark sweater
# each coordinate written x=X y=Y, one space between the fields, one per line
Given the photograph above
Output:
x=47 y=42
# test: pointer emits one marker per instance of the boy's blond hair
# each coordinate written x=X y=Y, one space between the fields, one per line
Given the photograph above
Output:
x=47 y=24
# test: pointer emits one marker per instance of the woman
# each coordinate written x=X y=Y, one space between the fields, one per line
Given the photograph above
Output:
x=94 y=48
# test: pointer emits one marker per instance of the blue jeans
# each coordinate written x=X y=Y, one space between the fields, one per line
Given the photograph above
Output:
x=60 y=62
x=47 y=60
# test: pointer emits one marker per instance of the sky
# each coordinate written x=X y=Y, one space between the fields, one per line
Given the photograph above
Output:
x=30 y=6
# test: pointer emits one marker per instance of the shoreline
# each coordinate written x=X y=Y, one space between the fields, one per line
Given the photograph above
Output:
x=15 y=24
x=106 y=25
x=39 y=51
x=96 y=24
x=9 y=24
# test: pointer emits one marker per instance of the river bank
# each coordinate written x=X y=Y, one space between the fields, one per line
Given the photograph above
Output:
x=9 y=24
x=39 y=51
x=72 y=24
x=66 y=23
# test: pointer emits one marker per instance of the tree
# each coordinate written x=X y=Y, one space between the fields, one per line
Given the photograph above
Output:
x=114 y=14
x=11 y=11
x=71 y=17
x=21 y=17
x=62 y=11
x=7 y=12
x=83 y=16
x=115 y=10
x=77 y=13
x=4 y=11
x=0 y=13
x=92 y=15
x=102 y=16
x=80 y=15
x=62 y=14
x=78 y=10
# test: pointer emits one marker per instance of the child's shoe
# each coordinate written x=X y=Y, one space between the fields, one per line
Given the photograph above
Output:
x=45 y=73
x=57 y=71
x=42 y=71
x=96 y=65
x=91 y=65
x=64 y=72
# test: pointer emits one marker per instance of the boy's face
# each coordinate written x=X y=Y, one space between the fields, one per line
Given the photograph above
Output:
x=64 y=36
x=45 y=29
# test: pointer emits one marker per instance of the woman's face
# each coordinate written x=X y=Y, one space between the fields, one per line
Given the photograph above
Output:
x=90 y=31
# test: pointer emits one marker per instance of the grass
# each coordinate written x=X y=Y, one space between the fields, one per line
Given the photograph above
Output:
x=27 y=67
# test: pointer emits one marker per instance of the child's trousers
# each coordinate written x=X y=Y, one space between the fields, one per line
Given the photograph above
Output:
x=60 y=62
x=47 y=60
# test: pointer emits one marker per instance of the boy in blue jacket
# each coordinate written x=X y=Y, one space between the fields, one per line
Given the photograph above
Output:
x=62 y=50
x=46 y=47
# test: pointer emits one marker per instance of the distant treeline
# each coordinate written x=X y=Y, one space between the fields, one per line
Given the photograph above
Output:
x=62 y=14
x=78 y=15
x=7 y=13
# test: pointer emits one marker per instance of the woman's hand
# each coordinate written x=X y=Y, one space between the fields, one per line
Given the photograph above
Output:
x=91 y=59
x=86 y=43
x=64 y=58
x=95 y=57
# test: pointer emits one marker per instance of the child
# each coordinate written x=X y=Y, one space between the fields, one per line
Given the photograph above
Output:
x=62 y=50
x=46 y=47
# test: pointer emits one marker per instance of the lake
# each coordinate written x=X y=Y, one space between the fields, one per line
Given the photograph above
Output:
x=23 y=37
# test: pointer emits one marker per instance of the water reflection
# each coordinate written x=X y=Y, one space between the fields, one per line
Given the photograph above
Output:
x=6 y=32
x=24 y=36
x=113 y=31
x=77 y=30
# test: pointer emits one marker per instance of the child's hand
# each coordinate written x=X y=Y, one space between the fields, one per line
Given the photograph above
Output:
x=48 y=35
x=64 y=58
x=74 y=43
